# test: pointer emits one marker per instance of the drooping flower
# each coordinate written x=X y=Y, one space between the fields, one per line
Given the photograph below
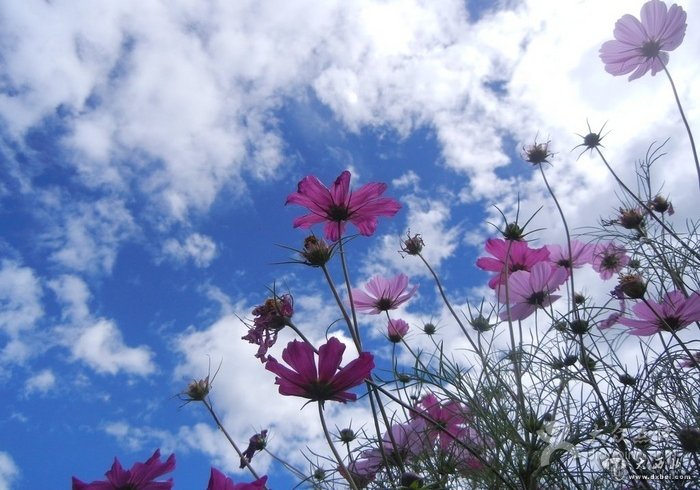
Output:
x=397 y=330
x=383 y=294
x=325 y=383
x=581 y=254
x=141 y=476
x=642 y=46
x=609 y=259
x=528 y=291
x=338 y=205
x=517 y=255
x=256 y=443
x=672 y=313
x=219 y=481
x=270 y=318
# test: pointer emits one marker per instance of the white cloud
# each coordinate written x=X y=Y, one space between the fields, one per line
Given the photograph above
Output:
x=42 y=382
x=20 y=309
x=72 y=291
x=8 y=471
x=102 y=347
x=138 y=438
x=200 y=249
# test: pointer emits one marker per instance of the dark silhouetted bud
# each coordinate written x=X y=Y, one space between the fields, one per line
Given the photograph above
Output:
x=632 y=286
x=626 y=379
x=579 y=327
x=690 y=439
x=347 y=435
x=413 y=245
x=429 y=329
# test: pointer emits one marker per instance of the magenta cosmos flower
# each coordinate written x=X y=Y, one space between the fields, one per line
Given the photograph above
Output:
x=641 y=46
x=609 y=259
x=528 y=291
x=337 y=205
x=219 y=481
x=383 y=294
x=673 y=313
x=325 y=383
x=139 y=477
x=517 y=255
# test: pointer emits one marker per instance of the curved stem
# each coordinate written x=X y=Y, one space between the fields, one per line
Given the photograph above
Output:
x=230 y=440
x=685 y=122
x=346 y=472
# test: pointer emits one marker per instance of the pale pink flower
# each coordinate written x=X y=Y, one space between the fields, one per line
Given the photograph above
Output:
x=641 y=46
x=219 y=481
x=673 y=313
x=518 y=256
x=609 y=259
x=338 y=205
x=141 y=476
x=581 y=254
x=528 y=291
x=327 y=382
x=383 y=294
x=449 y=420
x=396 y=330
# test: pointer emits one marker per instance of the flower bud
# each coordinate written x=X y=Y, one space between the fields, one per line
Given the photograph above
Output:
x=397 y=330
x=580 y=326
x=537 y=153
x=480 y=324
x=411 y=480
x=316 y=251
x=197 y=390
x=632 y=286
x=429 y=329
x=626 y=379
x=413 y=245
x=631 y=219
x=661 y=205
x=347 y=435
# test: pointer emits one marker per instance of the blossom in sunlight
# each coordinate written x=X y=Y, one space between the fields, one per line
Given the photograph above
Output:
x=270 y=318
x=581 y=254
x=328 y=382
x=338 y=205
x=256 y=443
x=141 y=476
x=397 y=330
x=517 y=255
x=640 y=46
x=383 y=294
x=528 y=291
x=219 y=481
x=609 y=259
x=671 y=314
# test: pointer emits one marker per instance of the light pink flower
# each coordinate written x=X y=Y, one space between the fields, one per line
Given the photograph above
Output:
x=609 y=259
x=451 y=420
x=518 y=255
x=528 y=291
x=581 y=254
x=141 y=476
x=328 y=382
x=396 y=330
x=219 y=481
x=383 y=294
x=641 y=46
x=673 y=313
x=337 y=205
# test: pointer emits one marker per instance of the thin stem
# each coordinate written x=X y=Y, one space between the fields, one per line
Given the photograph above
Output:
x=347 y=474
x=344 y=312
x=346 y=276
x=685 y=122
x=230 y=440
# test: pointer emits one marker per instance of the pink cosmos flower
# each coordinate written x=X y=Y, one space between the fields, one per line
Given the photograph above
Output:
x=528 y=291
x=451 y=420
x=219 y=481
x=270 y=318
x=139 y=477
x=383 y=294
x=581 y=254
x=325 y=383
x=641 y=46
x=673 y=313
x=397 y=330
x=337 y=205
x=609 y=259
x=517 y=255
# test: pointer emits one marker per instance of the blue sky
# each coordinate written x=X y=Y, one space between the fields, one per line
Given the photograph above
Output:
x=146 y=152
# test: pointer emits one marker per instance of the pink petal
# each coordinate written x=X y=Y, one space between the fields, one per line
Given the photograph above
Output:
x=330 y=356
x=630 y=31
x=300 y=357
x=355 y=372
x=340 y=189
x=653 y=16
